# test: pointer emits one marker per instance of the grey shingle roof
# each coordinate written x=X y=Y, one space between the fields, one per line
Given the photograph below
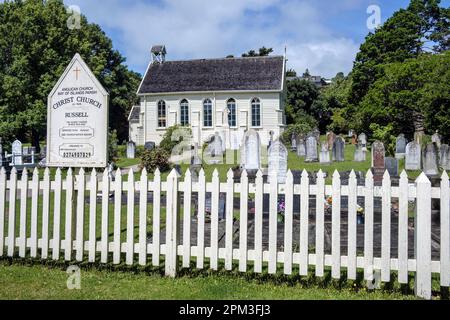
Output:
x=134 y=114
x=229 y=74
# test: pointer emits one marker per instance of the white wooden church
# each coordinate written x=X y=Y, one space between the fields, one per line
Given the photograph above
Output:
x=228 y=96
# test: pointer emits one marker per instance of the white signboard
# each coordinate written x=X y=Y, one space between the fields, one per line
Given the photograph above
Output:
x=77 y=128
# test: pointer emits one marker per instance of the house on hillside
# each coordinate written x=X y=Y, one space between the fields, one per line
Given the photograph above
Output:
x=226 y=96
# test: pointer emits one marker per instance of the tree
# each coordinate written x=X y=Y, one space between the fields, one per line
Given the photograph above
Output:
x=291 y=73
x=407 y=34
x=261 y=53
x=306 y=74
x=301 y=95
x=35 y=47
x=411 y=96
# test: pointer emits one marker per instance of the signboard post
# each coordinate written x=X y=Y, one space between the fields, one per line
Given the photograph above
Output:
x=77 y=119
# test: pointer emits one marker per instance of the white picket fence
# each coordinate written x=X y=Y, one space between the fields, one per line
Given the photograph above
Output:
x=17 y=190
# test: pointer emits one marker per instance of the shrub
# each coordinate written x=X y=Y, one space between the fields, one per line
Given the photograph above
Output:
x=173 y=136
x=113 y=142
x=156 y=158
x=303 y=127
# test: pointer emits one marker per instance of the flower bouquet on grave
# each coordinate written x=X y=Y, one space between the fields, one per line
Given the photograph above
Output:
x=281 y=210
x=360 y=215
x=328 y=204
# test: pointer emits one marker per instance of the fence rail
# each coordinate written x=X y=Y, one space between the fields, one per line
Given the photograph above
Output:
x=48 y=217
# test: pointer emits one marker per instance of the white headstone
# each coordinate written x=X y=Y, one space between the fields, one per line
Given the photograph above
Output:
x=324 y=155
x=430 y=160
x=413 y=156
x=362 y=138
x=436 y=138
x=277 y=162
x=360 y=153
x=77 y=119
x=17 y=153
x=301 y=147
x=294 y=143
x=251 y=151
x=131 y=150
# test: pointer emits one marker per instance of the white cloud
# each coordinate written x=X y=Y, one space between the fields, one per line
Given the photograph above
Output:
x=204 y=29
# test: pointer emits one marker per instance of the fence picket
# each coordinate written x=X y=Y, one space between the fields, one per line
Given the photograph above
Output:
x=386 y=228
x=117 y=217
x=320 y=223
x=81 y=185
x=92 y=216
x=57 y=216
x=403 y=229
x=105 y=217
x=143 y=192
x=201 y=219
x=130 y=218
x=2 y=209
x=352 y=227
x=34 y=213
x=23 y=213
x=45 y=213
x=243 y=223
x=156 y=217
x=336 y=227
x=12 y=212
x=368 y=228
x=288 y=223
x=69 y=215
x=423 y=238
x=215 y=220
x=304 y=224
x=172 y=225
x=273 y=225
x=445 y=230
x=229 y=219
x=187 y=198
x=259 y=221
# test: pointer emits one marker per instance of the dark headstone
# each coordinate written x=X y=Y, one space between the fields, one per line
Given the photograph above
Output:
x=150 y=145
x=338 y=150
x=391 y=165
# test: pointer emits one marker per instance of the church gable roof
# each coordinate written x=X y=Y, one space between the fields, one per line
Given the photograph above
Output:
x=229 y=74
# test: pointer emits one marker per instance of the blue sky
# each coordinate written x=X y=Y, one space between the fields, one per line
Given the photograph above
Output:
x=322 y=35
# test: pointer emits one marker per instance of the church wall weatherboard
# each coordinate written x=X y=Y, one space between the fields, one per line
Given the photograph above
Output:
x=228 y=96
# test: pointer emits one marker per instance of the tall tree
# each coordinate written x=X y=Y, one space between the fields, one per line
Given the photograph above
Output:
x=35 y=47
x=301 y=95
x=405 y=35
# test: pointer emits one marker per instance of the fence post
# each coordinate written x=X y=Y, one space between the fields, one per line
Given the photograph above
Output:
x=423 y=237
x=172 y=227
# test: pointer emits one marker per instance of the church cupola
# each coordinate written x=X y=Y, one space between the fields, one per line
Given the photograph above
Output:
x=159 y=54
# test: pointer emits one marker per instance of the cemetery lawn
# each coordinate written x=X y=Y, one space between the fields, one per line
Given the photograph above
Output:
x=29 y=280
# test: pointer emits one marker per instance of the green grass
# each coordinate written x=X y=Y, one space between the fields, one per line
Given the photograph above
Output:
x=125 y=162
x=27 y=280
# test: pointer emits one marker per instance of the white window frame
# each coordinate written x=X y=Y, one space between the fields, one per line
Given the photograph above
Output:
x=158 y=117
x=235 y=113
x=260 y=113
x=212 y=113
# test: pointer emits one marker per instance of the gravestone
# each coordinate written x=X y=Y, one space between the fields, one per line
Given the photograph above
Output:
x=354 y=139
x=445 y=157
x=418 y=137
x=131 y=150
x=17 y=152
x=150 y=145
x=251 y=151
x=277 y=162
x=214 y=150
x=331 y=137
x=378 y=163
x=362 y=139
x=436 y=138
x=301 y=147
x=271 y=134
x=391 y=165
x=293 y=143
x=324 y=156
x=338 y=150
x=350 y=133
x=311 y=149
x=413 y=156
x=400 y=146
x=430 y=160
x=196 y=164
x=360 y=153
